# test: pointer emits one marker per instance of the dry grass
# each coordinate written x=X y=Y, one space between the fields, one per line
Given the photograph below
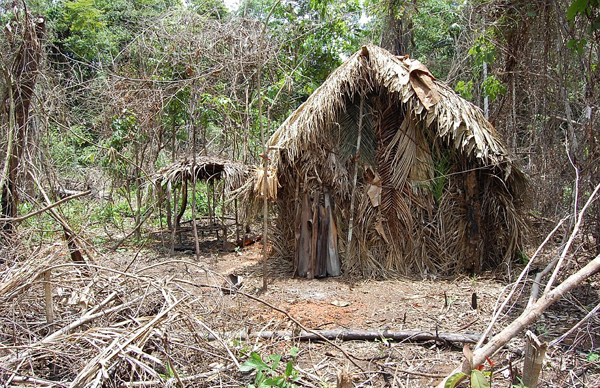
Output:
x=150 y=324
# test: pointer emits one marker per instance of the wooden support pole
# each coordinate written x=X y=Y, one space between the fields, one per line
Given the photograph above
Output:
x=194 y=176
x=48 y=298
x=174 y=222
x=354 y=179
x=265 y=147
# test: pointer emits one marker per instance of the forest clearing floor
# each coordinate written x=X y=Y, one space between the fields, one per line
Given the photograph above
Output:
x=159 y=328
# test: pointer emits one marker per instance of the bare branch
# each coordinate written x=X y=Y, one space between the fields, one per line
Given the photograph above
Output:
x=53 y=205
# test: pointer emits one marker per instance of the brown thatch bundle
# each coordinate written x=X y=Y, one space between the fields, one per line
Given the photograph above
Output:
x=205 y=168
x=416 y=179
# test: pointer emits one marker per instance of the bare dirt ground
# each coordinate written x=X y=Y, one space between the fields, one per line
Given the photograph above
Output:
x=430 y=306
x=161 y=320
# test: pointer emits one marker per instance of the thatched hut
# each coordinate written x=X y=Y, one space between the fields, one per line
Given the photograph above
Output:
x=175 y=180
x=392 y=171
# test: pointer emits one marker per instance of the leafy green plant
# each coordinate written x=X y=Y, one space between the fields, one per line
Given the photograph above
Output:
x=587 y=10
x=266 y=370
x=385 y=341
x=493 y=87
x=594 y=357
x=465 y=89
x=169 y=372
x=484 y=49
x=522 y=257
x=477 y=378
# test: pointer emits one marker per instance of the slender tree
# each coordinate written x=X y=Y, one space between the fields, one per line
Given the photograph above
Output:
x=24 y=35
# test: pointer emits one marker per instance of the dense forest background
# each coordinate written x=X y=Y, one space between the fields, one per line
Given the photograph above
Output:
x=99 y=95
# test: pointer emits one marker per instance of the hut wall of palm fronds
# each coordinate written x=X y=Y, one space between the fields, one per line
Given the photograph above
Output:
x=435 y=191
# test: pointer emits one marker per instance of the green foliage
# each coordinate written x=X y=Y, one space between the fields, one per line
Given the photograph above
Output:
x=68 y=149
x=98 y=30
x=215 y=9
x=82 y=15
x=589 y=12
x=493 y=88
x=434 y=26
x=169 y=372
x=523 y=258
x=594 y=358
x=113 y=213
x=484 y=49
x=577 y=45
x=455 y=379
x=267 y=374
x=478 y=379
x=124 y=130
x=437 y=25
x=465 y=89
x=315 y=35
x=81 y=29
x=581 y=7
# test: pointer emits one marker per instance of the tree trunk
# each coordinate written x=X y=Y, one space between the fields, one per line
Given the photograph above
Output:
x=535 y=351
x=21 y=79
x=396 y=36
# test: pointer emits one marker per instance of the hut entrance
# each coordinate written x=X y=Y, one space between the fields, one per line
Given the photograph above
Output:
x=316 y=253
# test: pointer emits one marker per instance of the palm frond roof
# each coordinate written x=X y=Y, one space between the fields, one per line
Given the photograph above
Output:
x=458 y=122
x=205 y=168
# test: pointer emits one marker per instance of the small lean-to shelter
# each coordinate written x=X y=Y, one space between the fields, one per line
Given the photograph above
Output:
x=392 y=172
x=209 y=169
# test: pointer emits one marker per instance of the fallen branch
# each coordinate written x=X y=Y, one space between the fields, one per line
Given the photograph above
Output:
x=300 y=325
x=34 y=381
x=98 y=367
x=90 y=316
x=70 y=236
x=53 y=205
x=528 y=316
x=524 y=272
x=358 y=335
x=571 y=239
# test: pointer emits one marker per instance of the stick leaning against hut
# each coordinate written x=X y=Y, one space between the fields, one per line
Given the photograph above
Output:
x=437 y=191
